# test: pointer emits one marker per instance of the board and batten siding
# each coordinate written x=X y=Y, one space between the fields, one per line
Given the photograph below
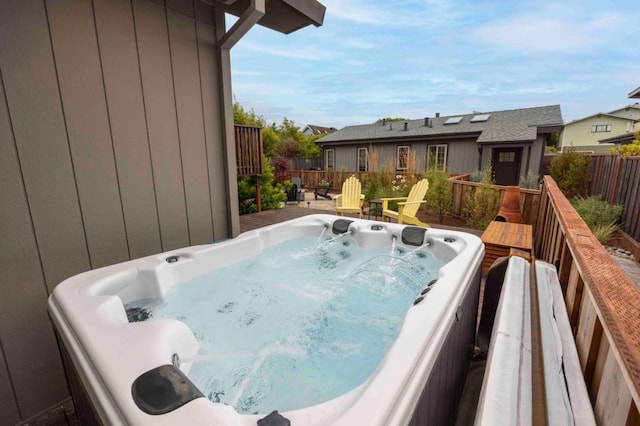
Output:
x=111 y=148
x=462 y=155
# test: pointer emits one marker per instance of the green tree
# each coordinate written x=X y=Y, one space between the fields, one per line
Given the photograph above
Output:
x=390 y=119
x=270 y=141
x=294 y=143
x=247 y=118
x=285 y=139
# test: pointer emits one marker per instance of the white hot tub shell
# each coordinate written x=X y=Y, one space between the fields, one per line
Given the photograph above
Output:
x=418 y=381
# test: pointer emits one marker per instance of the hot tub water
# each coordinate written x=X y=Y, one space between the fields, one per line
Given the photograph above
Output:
x=304 y=322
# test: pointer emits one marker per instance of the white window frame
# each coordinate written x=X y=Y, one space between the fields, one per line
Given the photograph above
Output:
x=362 y=167
x=333 y=159
x=600 y=128
x=437 y=148
x=400 y=148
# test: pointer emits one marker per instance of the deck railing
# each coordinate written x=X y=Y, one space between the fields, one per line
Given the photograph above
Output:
x=603 y=306
x=461 y=187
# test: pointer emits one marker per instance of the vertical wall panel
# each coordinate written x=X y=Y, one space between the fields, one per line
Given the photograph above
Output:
x=8 y=407
x=227 y=132
x=28 y=343
x=213 y=125
x=462 y=156
x=79 y=74
x=155 y=64
x=117 y=44
x=186 y=75
x=34 y=106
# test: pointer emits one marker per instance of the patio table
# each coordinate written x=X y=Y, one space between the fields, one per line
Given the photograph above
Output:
x=500 y=237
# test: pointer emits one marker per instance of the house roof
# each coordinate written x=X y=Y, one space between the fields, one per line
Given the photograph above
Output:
x=601 y=114
x=501 y=126
x=320 y=130
x=635 y=93
x=625 y=108
x=285 y=16
x=622 y=139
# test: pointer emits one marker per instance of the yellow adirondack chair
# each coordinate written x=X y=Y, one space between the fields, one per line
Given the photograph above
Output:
x=351 y=199
x=408 y=207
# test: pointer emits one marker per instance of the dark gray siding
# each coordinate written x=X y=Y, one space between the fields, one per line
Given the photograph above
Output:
x=462 y=156
x=537 y=152
x=121 y=71
x=346 y=158
x=111 y=148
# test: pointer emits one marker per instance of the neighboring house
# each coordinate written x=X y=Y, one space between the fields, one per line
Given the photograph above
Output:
x=635 y=93
x=511 y=141
x=586 y=134
x=311 y=129
x=116 y=142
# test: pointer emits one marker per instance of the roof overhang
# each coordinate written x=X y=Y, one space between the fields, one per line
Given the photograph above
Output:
x=635 y=93
x=285 y=16
x=620 y=139
x=550 y=128
x=403 y=139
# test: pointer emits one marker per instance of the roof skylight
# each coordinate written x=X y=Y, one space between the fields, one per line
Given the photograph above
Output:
x=480 y=118
x=453 y=120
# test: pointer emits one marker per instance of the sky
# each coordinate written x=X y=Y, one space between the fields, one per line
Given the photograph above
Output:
x=413 y=58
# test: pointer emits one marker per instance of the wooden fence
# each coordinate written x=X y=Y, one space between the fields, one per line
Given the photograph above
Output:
x=248 y=150
x=461 y=187
x=603 y=307
x=617 y=180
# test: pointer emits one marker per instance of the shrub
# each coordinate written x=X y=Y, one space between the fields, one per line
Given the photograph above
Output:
x=530 y=181
x=629 y=150
x=439 y=195
x=271 y=193
x=595 y=211
x=482 y=204
x=604 y=232
x=569 y=170
x=475 y=176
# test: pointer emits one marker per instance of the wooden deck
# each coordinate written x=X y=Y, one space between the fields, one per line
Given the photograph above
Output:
x=270 y=217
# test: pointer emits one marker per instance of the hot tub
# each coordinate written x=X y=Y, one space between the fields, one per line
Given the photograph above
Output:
x=134 y=365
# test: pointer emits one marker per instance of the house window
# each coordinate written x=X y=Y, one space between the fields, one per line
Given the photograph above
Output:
x=600 y=128
x=362 y=159
x=437 y=157
x=329 y=159
x=401 y=157
x=507 y=157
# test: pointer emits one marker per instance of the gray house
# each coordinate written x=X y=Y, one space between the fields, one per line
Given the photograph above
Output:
x=116 y=142
x=511 y=141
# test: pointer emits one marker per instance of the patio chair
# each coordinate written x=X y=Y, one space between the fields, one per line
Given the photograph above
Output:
x=408 y=206
x=322 y=191
x=294 y=194
x=351 y=199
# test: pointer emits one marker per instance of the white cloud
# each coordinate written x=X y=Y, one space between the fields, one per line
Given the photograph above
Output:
x=541 y=33
x=307 y=53
x=398 y=13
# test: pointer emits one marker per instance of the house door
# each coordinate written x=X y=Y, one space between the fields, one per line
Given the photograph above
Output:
x=506 y=165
